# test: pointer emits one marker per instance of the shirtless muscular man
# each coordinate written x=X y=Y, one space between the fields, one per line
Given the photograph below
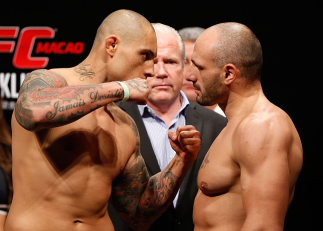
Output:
x=248 y=176
x=74 y=149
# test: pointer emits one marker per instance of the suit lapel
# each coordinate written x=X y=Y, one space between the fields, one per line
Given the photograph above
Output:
x=193 y=117
x=146 y=149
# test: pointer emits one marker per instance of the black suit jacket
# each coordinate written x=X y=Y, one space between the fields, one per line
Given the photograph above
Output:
x=209 y=124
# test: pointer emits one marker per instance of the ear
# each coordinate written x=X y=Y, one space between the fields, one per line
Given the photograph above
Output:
x=231 y=73
x=111 y=44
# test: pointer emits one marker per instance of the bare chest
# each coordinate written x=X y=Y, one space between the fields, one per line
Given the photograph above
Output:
x=218 y=173
x=95 y=140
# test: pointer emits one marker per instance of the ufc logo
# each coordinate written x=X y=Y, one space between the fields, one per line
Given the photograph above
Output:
x=22 y=56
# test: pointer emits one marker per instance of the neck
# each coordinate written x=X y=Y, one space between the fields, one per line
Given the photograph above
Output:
x=241 y=103
x=92 y=70
x=166 y=110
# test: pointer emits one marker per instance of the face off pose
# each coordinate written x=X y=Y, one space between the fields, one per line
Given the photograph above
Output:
x=168 y=108
x=248 y=177
x=74 y=149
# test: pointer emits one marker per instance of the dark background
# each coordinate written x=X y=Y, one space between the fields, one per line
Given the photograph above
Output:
x=290 y=33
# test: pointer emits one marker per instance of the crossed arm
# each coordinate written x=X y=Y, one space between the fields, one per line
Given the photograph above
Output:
x=140 y=200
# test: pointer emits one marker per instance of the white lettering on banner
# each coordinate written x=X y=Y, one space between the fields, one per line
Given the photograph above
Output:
x=12 y=92
x=4 y=80
x=8 y=88
x=22 y=78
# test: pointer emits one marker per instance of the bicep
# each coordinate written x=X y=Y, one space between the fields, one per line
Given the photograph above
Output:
x=128 y=187
x=263 y=160
x=265 y=186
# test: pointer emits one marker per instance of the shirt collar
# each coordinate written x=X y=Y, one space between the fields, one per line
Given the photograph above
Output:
x=144 y=108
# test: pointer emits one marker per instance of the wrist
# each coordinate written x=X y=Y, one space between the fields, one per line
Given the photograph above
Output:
x=179 y=167
x=126 y=93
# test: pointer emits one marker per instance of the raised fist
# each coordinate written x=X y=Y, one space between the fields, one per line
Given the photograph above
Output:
x=186 y=142
x=138 y=90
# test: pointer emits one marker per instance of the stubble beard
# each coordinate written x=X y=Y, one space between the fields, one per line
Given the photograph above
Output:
x=211 y=94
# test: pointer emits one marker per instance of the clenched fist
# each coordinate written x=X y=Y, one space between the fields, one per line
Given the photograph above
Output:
x=138 y=90
x=186 y=143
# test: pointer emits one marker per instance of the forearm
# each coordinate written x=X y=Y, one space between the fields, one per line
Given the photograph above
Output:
x=52 y=107
x=160 y=192
x=161 y=189
x=140 y=200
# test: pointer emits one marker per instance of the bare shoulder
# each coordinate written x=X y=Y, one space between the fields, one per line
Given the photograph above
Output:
x=267 y=129
x=263 y=121
x=120 y=116
x=126 y=123
x=43 y=78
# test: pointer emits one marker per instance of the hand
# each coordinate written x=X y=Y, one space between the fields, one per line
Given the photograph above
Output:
x=138 y=90
x=186 y=142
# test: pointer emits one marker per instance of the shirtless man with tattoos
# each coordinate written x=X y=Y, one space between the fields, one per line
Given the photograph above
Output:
x=248 y=177
x=74 y=149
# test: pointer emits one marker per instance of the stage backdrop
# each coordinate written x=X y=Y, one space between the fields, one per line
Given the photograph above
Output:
x=50 y=34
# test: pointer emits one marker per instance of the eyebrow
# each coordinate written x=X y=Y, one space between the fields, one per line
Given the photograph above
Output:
x=172 y=58
x=151 y=53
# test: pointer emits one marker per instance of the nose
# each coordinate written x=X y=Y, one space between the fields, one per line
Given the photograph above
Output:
x=160 y=71
x=149 y=71
x=192 y=73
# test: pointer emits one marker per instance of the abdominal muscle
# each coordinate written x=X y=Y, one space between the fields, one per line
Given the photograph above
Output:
x=59 y=213
x=218 y=212
x=58 y=217
x=76 y=200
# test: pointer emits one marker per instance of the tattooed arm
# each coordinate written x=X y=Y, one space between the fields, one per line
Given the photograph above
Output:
x=46 y=100
x=140 y=200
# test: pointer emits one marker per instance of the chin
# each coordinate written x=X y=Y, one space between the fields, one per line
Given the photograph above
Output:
x=162 y=97
x=202 y=101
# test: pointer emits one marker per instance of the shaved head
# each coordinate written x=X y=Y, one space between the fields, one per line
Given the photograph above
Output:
x=126 y=24
x=235 y=43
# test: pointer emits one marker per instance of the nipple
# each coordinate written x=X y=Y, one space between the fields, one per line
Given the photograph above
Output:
x=203 y=185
